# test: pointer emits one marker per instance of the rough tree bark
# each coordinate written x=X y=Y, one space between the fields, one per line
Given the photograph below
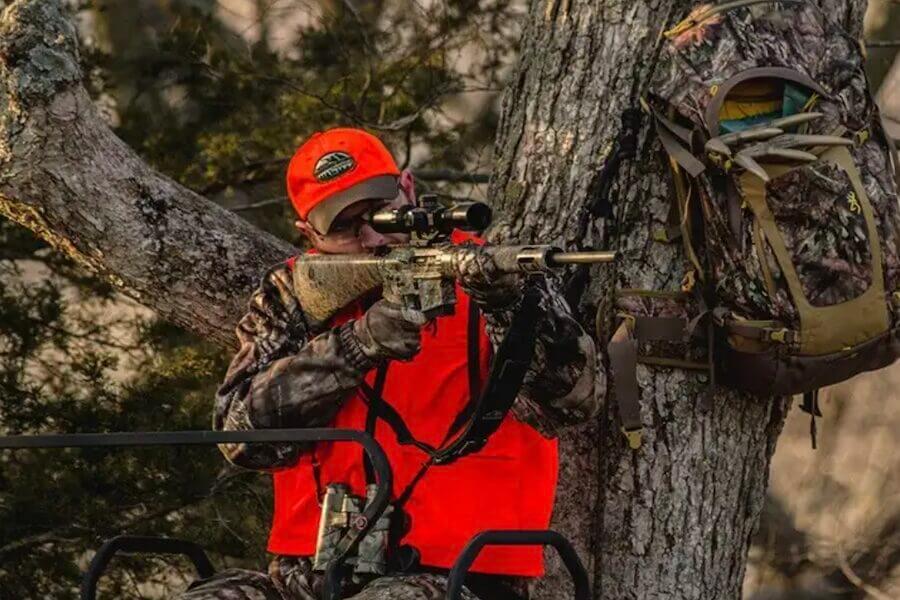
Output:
x=674 y=519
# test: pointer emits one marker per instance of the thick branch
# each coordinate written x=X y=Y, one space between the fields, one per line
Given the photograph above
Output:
x=68 y=178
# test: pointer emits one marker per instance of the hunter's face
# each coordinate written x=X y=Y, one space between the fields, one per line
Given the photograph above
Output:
x=350 y=232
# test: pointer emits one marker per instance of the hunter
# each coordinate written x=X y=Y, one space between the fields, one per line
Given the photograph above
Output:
x=288 y=374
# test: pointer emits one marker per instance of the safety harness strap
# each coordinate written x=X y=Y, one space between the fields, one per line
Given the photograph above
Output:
x=375 y=402
x=378 y=407
x=625 y=147
x=486 y=409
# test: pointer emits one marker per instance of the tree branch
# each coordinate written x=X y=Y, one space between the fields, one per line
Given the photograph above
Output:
x=68 y=178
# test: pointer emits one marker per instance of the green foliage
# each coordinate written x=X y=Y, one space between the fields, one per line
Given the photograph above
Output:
x=221 y=115
x=58 y=368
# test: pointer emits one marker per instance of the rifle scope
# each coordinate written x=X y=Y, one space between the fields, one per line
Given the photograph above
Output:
x=468 y=216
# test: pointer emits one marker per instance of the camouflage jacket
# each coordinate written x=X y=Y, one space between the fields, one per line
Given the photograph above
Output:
x=286 y=375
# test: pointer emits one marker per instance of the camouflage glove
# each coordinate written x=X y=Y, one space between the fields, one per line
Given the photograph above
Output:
x=385 y=331
x=482 y=280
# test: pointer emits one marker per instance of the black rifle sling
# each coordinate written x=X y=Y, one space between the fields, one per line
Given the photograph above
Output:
x=473 y=342
x=508 y=370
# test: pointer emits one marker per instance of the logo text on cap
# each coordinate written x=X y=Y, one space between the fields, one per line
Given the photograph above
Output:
x=332 y=165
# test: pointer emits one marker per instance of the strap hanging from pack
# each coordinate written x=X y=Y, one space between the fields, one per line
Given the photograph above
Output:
x=811 y=405
x=676 y=141
x=893 y=150
x=622 y=351
x=686 y=215
x=735 y=212
x=623 y=358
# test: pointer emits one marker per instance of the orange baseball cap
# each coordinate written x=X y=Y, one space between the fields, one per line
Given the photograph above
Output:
x=336 y=168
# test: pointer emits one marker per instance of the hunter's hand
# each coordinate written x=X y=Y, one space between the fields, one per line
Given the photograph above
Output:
x=389 y=331
x=483 y=281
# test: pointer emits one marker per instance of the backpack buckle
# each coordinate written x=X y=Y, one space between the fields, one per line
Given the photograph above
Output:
x=782 y=336
x=634 y=437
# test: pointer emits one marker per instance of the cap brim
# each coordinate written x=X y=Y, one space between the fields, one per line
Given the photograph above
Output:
x=322 y=215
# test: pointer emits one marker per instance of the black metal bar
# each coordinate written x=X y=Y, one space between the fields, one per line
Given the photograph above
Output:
x=142 y=544
x=518 y=538
x=202 y=438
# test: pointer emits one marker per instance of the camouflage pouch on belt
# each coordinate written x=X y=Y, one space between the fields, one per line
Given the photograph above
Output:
x=342 y=510
x=785 y=197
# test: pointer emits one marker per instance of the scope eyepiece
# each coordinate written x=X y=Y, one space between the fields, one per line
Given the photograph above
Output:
x=467 y=216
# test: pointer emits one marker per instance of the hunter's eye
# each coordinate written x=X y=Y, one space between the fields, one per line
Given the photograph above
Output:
x=338 y=227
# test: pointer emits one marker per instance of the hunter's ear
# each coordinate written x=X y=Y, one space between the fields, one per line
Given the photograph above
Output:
x=306 y=229
x=407 y=184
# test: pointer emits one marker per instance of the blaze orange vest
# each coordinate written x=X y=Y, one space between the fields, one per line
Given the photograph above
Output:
x=509 y=484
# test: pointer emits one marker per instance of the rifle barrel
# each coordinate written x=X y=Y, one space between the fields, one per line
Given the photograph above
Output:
x=586 y=257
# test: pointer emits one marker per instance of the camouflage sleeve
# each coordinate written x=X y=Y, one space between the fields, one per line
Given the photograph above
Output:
x=281 y=378
x=559 y=387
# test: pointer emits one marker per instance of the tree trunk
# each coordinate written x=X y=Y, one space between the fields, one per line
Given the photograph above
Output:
x=671 y=520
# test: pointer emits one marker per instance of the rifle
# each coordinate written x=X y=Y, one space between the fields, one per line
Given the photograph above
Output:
x=421 y=274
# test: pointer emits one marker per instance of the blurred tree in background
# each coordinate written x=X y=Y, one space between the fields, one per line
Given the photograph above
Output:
x=217 y=95
x=882 y=31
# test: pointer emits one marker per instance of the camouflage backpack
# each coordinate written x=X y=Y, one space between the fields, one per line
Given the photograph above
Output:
x=785 y=199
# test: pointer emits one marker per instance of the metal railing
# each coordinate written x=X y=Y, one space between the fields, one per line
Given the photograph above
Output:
x=333 y=575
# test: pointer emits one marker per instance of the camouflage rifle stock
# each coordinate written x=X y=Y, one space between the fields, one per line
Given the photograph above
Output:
x=417 y=277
